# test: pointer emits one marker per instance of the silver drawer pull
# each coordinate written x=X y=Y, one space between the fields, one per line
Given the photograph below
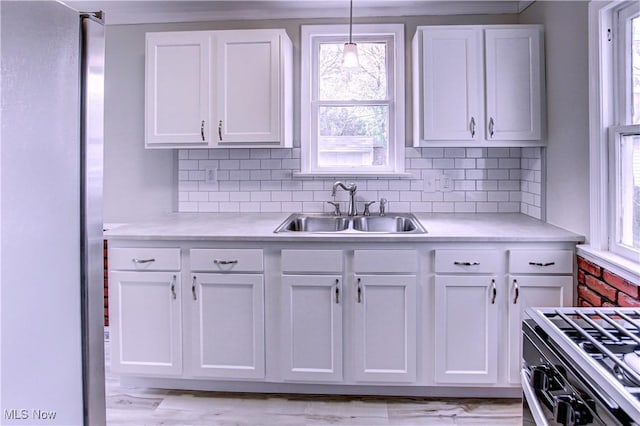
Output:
x=134 y=260
x=542 y=264
x=193 y=288
x=225 y=262
x=466 y=263
x=337 y=291
x=516 y=290
x=359 y=291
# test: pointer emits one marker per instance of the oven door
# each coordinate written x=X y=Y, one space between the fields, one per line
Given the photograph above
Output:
x=533 y=411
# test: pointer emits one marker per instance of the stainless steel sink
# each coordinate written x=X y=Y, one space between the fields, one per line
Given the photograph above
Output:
x=312 y=223
x=392 y=223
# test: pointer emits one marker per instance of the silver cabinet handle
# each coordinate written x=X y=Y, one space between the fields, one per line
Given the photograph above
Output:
x=193 y=288
x=337 y=291
x=220 y=129
x=359 y=291
x=494 y=292
x=472 y=127
x=202 y=130
x=516 y=289
x=491 y=126
x=542 y=264
x=458 y=263
x=173 y=288
x=134 y=260
x=225 y=262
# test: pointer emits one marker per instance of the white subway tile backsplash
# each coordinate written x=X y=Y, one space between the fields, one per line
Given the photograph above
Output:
x=239 y=154
x=198 y=154
x=483 y=180
x=208 y=207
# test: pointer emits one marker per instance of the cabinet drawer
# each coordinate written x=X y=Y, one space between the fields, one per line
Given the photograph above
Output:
x=144 y=259
x=320 y=261
x=467 y=261
x=402 y=261
x=223 y=260
x=541 y=261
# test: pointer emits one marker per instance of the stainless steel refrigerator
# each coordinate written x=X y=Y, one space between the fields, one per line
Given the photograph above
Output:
x=51 y=279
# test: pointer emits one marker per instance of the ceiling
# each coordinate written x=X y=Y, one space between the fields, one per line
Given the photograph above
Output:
x=138 y=12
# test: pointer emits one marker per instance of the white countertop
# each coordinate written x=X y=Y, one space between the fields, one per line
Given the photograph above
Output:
x=260 y=226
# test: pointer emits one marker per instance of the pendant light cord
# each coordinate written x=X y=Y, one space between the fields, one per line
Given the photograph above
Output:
x=350 y=19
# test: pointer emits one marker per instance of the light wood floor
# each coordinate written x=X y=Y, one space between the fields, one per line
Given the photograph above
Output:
x=139 y=406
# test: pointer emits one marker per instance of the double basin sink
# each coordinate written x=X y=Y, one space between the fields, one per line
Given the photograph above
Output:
x=392 y=223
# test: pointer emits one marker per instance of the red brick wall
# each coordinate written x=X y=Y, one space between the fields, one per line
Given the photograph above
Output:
x=106 y=286
x=599 y=287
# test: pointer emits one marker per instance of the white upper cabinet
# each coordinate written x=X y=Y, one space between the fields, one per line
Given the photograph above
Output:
x=238 y=83
x=177 y=89
x=478 y=86
x=247 y=68
x=452 y=89
x=513 y=84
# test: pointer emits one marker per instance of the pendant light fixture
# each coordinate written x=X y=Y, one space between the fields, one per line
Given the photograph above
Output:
x=350 y=54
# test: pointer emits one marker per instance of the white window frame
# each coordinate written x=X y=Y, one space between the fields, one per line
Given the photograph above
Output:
x=617 y=222
x=606 y=103
x=393 y=34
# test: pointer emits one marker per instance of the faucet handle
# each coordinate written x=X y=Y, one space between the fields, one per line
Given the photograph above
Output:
x=383 y=205
x=336 y=211
x=366 y=208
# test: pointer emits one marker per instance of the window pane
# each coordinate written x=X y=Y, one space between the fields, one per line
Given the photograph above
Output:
x=369 y=82
x=629 y=201
x=353 y=136
x=635 y=68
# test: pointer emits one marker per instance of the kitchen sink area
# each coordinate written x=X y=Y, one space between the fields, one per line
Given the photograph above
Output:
x=392 y=223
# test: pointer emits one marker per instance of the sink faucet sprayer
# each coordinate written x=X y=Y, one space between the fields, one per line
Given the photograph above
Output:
x=352 y=195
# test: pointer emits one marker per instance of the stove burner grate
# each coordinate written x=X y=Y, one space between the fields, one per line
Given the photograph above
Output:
x=611 y=337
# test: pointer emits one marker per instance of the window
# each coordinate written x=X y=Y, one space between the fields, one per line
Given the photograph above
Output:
x=624 y=135
x=352 y=120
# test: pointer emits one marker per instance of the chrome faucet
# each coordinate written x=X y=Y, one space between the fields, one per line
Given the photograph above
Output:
x=352 y=195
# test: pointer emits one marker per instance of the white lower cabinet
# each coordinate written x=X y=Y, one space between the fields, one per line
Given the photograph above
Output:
x=312 y=328
x=145 y=322
x=227 y=325
x=385 y=328
x=526 y=292
x=466 y=329
x=442 y=314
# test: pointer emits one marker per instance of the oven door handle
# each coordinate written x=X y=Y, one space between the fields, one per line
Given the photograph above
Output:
x=532 y=401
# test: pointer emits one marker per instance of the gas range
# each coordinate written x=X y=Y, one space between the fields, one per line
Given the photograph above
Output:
x=582 y=365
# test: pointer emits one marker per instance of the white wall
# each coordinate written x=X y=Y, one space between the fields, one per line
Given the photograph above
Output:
x=143 y=183
x=567 y=158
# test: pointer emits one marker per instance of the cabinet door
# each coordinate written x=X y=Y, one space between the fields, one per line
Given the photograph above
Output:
x=177 y=89
x=532 y=291
x=466 y=335
x=513 y=84
x=452 y=84
x=145 y=322
x=312 y=327
x=227 y=312
x=385 y=328
x=247 y=94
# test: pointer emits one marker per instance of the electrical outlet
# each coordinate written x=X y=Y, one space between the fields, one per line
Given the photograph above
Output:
x=211 y=175
x=430 y=181
x=445 y=183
